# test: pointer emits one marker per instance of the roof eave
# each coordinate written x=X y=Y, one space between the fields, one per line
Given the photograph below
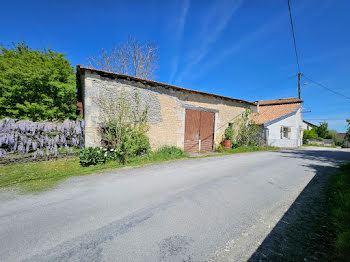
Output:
x=81 y=69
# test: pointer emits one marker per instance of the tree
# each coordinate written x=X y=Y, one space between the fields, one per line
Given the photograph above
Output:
x=347 y=136
x=332 y=134
x=322 y=129
x=131 y=58
x=36 y=84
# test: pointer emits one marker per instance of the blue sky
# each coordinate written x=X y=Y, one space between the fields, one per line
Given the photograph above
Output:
x=237 y=48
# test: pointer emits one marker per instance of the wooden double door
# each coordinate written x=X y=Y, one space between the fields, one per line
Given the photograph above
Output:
x=199 y=130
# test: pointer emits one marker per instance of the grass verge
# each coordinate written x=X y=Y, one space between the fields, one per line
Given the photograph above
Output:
x=339 y=207
x=318 y=145
x=245 y=149
x=40 y=176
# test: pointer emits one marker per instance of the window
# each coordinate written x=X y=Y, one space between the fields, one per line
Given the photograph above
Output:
x=285 y=132
x=266 y=134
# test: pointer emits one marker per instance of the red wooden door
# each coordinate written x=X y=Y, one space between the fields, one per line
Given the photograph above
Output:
x=206 y=131
x=192 y=125
x=199 y=131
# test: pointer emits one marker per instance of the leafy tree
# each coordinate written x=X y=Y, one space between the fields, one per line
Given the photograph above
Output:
x=332 y=134
x=322 y=129
x=348 y=131
x=36 y=84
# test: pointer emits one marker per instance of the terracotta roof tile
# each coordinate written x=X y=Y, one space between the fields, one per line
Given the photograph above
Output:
x=280 y=101
x=273 y=109
x=341 y=136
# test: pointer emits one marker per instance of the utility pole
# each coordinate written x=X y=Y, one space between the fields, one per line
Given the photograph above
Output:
x=299 y=84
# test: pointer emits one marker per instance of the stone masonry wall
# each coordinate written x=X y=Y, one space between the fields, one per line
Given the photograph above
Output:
x=166 y=109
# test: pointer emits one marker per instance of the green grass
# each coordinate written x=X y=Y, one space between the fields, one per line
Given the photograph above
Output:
x=245 y=149
x=318 y=145
x=339 y=206
x=39 y=176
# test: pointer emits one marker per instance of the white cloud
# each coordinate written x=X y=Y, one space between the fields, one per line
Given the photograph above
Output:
x=212 y=27
x=180 y=30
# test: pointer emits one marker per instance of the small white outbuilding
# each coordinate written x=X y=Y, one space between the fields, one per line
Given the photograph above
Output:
x=281 y=121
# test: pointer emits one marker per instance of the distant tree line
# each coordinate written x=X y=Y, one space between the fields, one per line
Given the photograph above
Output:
x=322 y=132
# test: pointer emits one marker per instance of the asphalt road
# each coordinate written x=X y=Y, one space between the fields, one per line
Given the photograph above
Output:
x=217 y=208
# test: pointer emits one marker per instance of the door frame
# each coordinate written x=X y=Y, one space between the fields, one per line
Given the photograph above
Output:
x=205 y=109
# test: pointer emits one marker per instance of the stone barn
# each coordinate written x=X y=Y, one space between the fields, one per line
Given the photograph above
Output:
x=189 y=119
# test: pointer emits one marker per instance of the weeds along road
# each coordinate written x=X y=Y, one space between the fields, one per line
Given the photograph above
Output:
x=218 y=208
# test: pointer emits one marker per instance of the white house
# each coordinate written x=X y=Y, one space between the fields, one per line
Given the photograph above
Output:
x=281 y=121
x=308 y=125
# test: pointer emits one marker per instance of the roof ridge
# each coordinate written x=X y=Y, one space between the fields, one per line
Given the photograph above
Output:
x=152 y=82
x=279 y=101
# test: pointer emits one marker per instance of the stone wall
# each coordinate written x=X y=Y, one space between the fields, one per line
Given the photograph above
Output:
x=166 y=109
x=323 y=142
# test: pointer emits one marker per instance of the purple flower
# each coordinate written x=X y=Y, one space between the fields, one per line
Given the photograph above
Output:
x=34 y=145
x=24 y=135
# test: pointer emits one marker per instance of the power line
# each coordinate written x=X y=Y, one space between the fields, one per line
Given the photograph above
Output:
x=297 y=59
x=295 y=44
x=321 y=85
x=324 y=119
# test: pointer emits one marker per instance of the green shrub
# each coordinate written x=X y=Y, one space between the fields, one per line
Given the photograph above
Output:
x=124 y=123
x=310 y=134
x=92 y=156
x=170 y=152
x=132 y=143
x=248 y=133
x=229 y=133
x=220 y=148
x=140 y=143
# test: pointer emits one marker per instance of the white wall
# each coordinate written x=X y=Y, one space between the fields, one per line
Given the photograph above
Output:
x=293 y=121
x=306 y=126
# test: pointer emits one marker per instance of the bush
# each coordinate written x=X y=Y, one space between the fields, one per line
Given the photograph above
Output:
x=220 y=148
x=248 y=133
x=310 y=134
x=93 y=156
x=124 y=123
x=139 y=143
x=229 y=133
x=170 y=152
x=133 y=143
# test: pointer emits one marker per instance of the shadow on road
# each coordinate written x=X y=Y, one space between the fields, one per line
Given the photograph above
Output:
x=302 y=234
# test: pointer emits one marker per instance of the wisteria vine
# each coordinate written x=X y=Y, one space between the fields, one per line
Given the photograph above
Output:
x=40 y=138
